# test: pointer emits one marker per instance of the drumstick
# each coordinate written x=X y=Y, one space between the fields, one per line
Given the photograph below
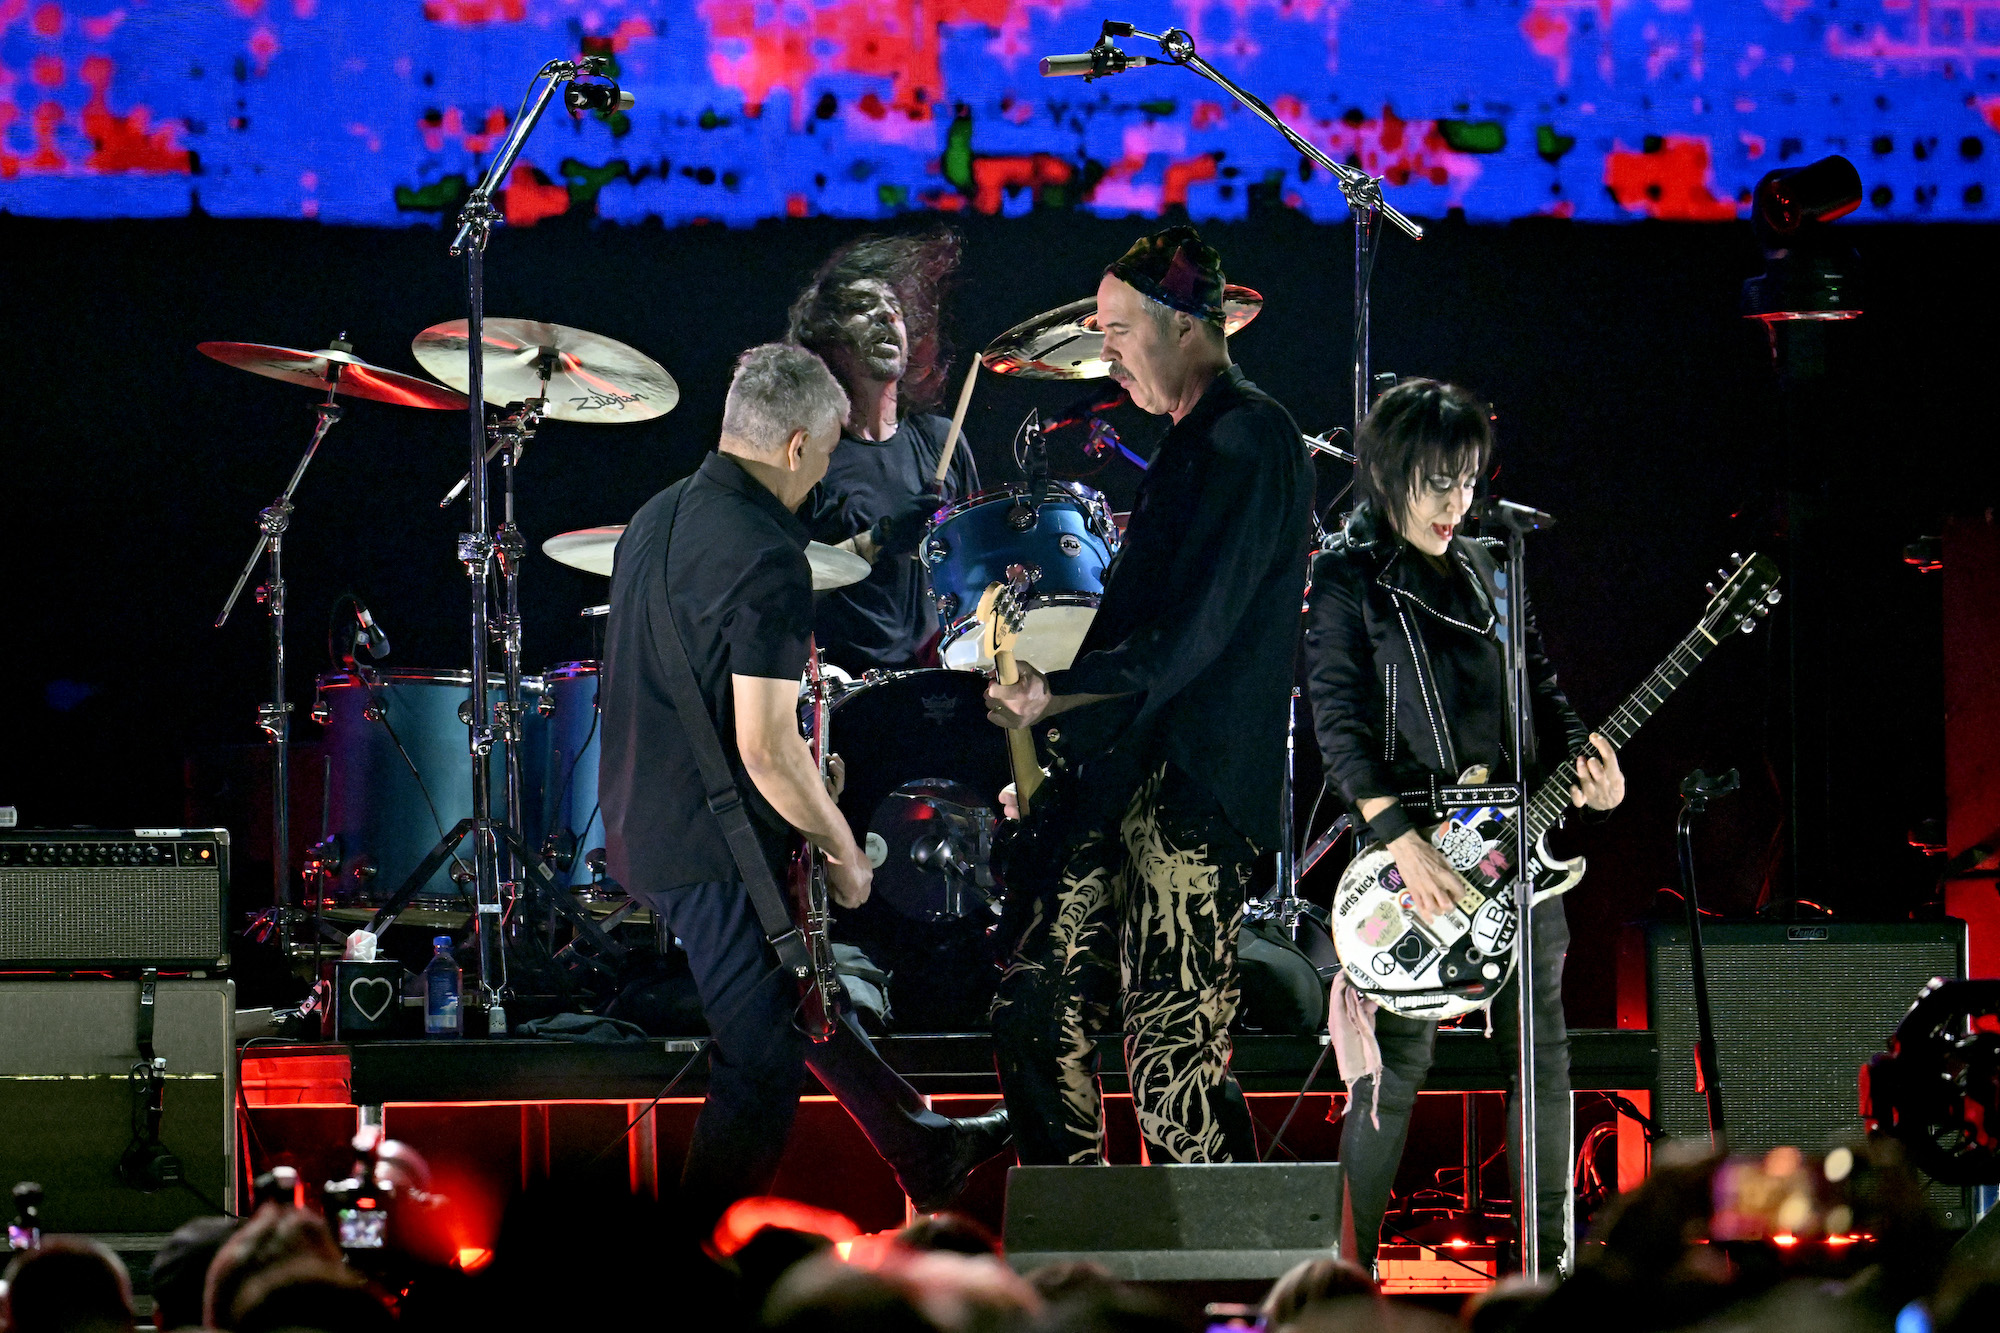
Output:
x=957 y=420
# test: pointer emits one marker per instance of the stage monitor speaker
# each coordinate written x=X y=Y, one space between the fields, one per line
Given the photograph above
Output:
x=68 y=1100
x=1797 y=1008
x=1175 y=1223
x=114 y=898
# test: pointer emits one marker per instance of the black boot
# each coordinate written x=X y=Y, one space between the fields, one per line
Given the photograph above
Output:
x=974 y=1139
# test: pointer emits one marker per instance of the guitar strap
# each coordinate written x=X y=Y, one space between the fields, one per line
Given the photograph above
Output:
x=719 y=783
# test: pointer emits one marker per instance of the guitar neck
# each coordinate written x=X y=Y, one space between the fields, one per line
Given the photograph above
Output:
x=1552 y=799
x=1020 y=741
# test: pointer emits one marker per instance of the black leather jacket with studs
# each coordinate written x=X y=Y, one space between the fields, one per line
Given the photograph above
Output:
x=1406 y=670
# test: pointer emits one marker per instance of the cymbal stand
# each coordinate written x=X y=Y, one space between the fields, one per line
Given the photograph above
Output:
x=1363 y=191
x=476 y=547
x=511 y=435
x=275 y=717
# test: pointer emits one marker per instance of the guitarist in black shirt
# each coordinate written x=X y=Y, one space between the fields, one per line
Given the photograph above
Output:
x=716 y=564
x=1407 y=676
x=1174 y=713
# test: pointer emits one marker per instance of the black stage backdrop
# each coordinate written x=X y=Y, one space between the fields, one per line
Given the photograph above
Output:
x=1634 y=403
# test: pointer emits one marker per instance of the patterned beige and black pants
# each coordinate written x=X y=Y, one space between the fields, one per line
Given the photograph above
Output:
x=1139 y=936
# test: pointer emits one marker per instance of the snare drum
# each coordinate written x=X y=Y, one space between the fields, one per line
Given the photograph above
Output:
x=398 y=776
x=1064 y=552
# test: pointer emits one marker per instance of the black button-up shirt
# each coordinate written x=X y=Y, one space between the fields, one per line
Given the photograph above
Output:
x=737 y=583
x=888 y=619
x=1202 y=606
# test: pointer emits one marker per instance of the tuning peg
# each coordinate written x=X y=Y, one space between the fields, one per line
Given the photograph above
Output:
x=1773 y=597
x=1761 y=610
x=1737 y=556
x=1749 y=624
x=1708 y=588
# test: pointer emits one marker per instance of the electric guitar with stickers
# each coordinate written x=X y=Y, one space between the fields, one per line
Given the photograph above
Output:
x=1458 y=962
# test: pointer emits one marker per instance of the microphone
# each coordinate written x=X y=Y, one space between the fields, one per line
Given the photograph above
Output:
x=371 y=633
x=1096 y=63
x=607 y=96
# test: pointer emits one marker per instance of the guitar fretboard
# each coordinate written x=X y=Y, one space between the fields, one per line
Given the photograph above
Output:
x=1552 y=799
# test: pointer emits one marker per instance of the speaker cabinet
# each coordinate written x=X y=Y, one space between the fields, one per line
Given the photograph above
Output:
x=1797 y=1008
x=1175 y=1223
x=67 y=1049
x=114 y=898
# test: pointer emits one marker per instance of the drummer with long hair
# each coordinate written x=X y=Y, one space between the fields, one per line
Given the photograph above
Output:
x=871 y=312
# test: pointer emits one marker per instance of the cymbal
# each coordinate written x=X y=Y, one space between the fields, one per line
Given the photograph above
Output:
x=1065 y=344
x=357 y=379
x=590 y=377
x=591 y=549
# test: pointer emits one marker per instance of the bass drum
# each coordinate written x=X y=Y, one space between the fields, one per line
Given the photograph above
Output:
x=398 y=777
x=572 y=820
x=924 y=772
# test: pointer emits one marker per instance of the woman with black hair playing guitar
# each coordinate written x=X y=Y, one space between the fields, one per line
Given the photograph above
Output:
x=1407 y=674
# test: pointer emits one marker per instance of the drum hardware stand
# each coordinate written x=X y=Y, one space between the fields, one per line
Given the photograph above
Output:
x=1697 y=790
x=476 y=549
x=275 y=717
x=1363 y=192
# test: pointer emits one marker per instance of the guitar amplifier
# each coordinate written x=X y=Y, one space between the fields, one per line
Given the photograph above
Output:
x=72 y=1109
x=1798 y=1007
x=114 y=899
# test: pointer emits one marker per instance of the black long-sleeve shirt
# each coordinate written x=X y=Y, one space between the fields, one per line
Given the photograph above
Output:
x=1200 y=616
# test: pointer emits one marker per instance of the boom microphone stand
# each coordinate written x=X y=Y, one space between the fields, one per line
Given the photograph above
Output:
x=1363 y=191
x=476 y=549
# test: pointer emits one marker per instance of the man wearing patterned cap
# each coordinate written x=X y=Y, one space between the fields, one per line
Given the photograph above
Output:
x=1173 y=725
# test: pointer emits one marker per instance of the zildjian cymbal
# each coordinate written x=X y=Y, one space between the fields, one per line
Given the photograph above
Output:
x=584 y=376
x=591 y=550
x=314 y=370
x=1065 y=344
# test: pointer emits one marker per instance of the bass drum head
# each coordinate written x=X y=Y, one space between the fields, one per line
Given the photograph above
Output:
x=924 y=772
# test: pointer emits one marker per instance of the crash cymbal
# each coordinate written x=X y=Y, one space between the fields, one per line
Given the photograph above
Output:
x=357 y=378
x=833 y=567
x=591 y=549
x=589 y=378
x=1064 y=343
x=587 y=549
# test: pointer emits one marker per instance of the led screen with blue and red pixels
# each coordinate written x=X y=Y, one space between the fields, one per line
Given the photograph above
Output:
x=380 y=111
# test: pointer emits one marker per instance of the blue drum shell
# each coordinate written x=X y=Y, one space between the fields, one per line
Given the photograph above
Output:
x=374 y=802
x=974 y=543
x=575 y=738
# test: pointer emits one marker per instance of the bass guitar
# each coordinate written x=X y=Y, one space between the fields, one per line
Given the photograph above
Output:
x=819 y=990
x=1457 y=963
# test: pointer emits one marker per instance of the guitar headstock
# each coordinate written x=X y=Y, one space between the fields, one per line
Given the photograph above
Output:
x=1000 y=617
x=1746 y=596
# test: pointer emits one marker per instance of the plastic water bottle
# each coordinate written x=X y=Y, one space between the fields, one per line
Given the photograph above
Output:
x=441 y=991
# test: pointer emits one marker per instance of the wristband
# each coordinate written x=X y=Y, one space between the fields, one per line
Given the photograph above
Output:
x=1388 y=825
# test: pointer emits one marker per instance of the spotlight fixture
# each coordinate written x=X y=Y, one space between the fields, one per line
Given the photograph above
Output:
x=1808 y=274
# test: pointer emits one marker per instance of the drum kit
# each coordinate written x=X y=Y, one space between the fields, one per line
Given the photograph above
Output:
x=923 y=766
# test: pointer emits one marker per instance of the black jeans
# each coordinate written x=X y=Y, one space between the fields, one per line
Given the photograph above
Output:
x=1140 y=930
x=1369 y=1156
x=758 y=1060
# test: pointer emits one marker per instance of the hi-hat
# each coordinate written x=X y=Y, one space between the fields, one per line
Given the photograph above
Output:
x=591 y=550
x=584 y=377
x=1066 y=344
x=314 y=370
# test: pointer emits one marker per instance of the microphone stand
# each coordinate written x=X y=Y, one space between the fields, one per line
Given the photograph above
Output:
x=477 y=547
x=1363 y=191
x=1518 y=521
x=275 y=717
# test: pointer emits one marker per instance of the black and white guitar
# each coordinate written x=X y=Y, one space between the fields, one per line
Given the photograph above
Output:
x=1458 y=962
